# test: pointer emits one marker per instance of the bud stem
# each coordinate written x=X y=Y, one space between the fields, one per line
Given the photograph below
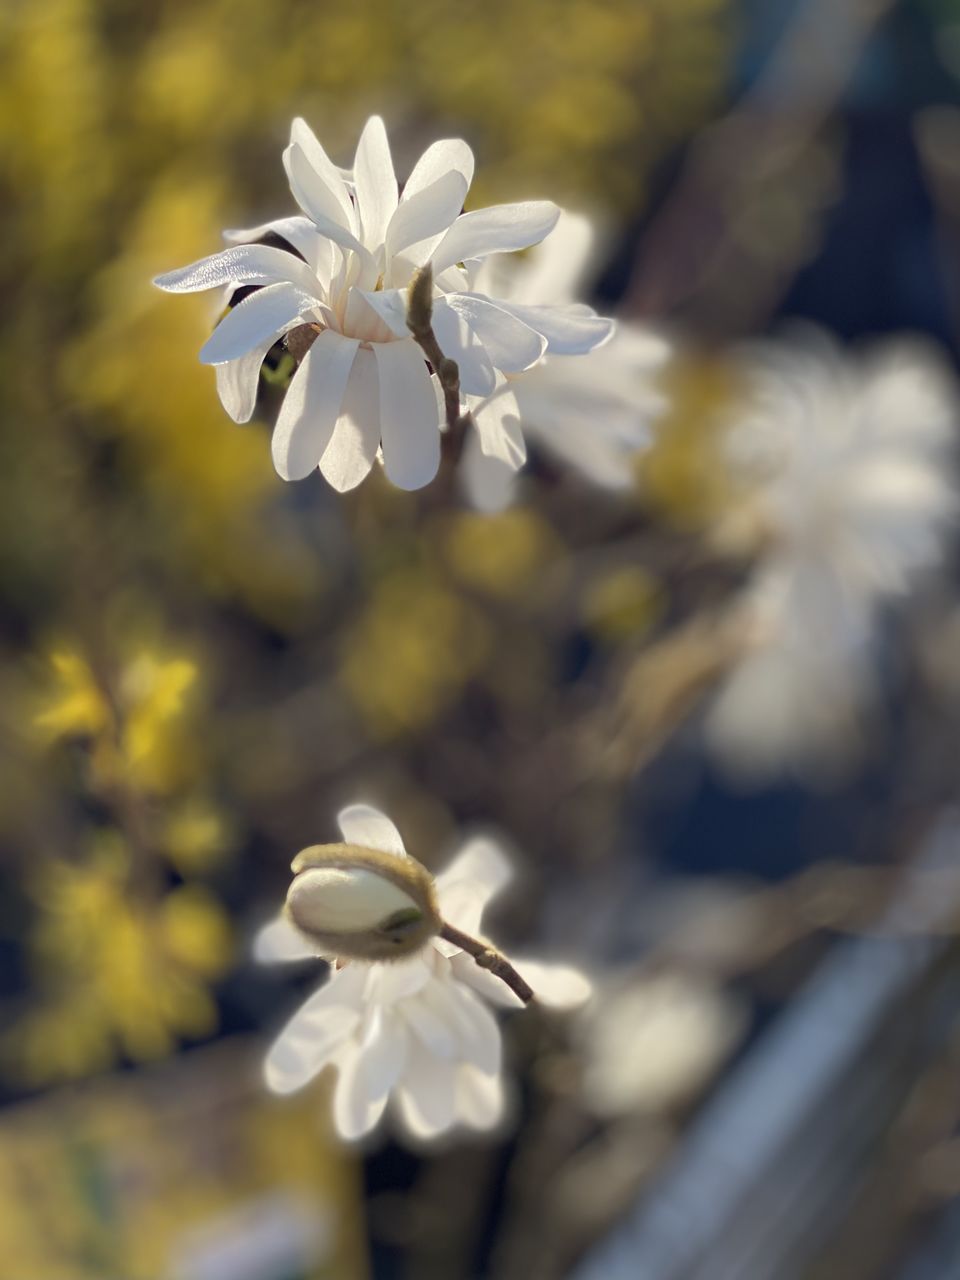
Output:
x=488 y=957
x=419 y=322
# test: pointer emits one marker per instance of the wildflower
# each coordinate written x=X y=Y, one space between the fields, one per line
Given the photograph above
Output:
x=593 y=415
x=416 y=1030
x=340 y=300
x=847 y=492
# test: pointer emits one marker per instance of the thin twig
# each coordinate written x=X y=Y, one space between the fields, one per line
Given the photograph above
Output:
x=488 y=957
x=420 y=324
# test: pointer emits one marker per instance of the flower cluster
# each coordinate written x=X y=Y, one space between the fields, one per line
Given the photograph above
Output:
x=415 y=1031
x=338 y=293
x=847 y=491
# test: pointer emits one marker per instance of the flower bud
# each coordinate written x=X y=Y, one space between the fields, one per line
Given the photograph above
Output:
x=362 y=903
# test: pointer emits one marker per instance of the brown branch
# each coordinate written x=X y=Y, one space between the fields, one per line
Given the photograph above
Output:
x=420 y=324
x=488 y=957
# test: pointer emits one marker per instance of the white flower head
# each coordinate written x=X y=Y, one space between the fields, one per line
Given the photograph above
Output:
x=846 y=473
x=363 y=385
x=416 y=1032
x=592 y=415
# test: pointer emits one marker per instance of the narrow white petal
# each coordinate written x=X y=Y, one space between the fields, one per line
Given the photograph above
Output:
x=353 y=446
x=488 y=483
x=409 y=427
x=391 y=306
x=355 y=1112
x=429 y=1016
x=280 y=943
x=314 y=198
x=260 y=316
x=383 y=1051
x=376 y=182
x=298 y=231
x=499 y=229
x=445 y=156
x=569 y=331
x=459 y=342
x=425 y=1095
x=476 y=1027
x=341 y=209
x=426 y=213
x=238 y=381
x=480 y=865
x=558 y=986
x=312 y=405
x=399 y=979
x=497 y=420
x=478 y=1098
x=363 y=825
x=314 y=1034
x=511 y=345
x=245 y=264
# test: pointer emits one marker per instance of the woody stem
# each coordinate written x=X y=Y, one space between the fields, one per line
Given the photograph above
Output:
x=488 y=957
x=419 y=322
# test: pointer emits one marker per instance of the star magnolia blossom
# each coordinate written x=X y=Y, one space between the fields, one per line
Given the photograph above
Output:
x=847 y=477
x=364 y=385
x=593 y=415
x=416 y=1032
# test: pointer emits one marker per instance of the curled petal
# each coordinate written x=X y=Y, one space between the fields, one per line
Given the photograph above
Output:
x=245 y=264
x=499 y=229
x=262 y=316
x=366 y=826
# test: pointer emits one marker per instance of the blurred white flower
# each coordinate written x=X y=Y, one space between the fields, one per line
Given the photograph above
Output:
x=363 y=385
x=848 y=488
x=594 y=415
x=655 y=1043
x=415 y=1032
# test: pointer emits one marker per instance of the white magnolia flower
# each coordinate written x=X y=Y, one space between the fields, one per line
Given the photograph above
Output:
x=415 y=1032
x=593 y=415
x=364 y=384
x=848 y=485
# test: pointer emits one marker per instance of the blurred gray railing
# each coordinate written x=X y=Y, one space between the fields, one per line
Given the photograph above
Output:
x=773 y=1163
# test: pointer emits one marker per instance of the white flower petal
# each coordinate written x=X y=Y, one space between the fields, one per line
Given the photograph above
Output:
x=400 y=979
x=239 y=380
x=280 y=943
x=497 y=420
x=558 y=986
x=499 y=229
x=428 y=1014
x=489 y=483
x=363 y=825
x=260 y=316
x=384 y=1051
x=478 y=1098
x=298 y=231
x=375 y=182
x=426 y=214
x=458 y=342
x=337 y=204
x=425 y=1096
x=246 y=264
x=409 y=428
x=475 y=876
x=391 y=306
x=315 y=1033
x=511 y=345
x=312 y=405
x=355 y=1112
x=477 y=1030
x=444 y=156
x=353 y=446
x=314 y=198
x=569 y=331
